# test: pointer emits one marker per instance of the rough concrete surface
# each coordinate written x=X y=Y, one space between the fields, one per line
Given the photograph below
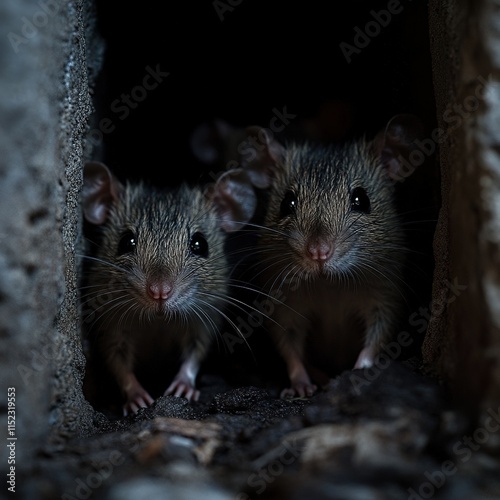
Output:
x=45 y=105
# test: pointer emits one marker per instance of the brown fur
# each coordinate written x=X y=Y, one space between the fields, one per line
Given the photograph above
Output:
x=335 y=312
x=121 y=308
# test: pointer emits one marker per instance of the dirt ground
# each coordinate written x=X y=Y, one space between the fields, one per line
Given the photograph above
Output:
x=388 y=433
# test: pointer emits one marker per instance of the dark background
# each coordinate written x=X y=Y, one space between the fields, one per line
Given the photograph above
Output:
x=260 y=56
x=263 y=56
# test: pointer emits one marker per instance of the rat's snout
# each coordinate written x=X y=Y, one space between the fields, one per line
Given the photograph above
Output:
x=159 y=289
x=319 y=250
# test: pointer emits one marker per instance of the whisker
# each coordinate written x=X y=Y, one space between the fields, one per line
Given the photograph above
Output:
x=101 y=261
x=231 y=322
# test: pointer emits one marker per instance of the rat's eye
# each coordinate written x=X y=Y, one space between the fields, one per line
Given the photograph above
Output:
x=199 y=245
x=360 y=201
x=289 y=204
x=127 y=243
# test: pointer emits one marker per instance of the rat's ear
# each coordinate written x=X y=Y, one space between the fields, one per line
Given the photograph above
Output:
x=234 y=199
x=209 y=140
x=100 y=190
x=395 y=143
x=261 y=156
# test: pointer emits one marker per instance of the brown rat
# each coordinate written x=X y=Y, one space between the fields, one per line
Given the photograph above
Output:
x=332 y=247
x=159 y=277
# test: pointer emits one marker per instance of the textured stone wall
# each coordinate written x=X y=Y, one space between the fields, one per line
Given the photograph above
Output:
x=463 y=341
x=48 y=56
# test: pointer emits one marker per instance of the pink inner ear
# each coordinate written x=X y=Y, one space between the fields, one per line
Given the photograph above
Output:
x=96 y=207
x=100 y=190
x=100 y=214
x=266 y=157
x=394 y=143
x=234 y=200
x=237 y=207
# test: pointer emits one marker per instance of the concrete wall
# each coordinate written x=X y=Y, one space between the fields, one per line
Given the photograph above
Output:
x=48 y=56
x=463 y=341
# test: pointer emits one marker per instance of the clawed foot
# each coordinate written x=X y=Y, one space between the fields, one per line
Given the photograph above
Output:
x=139 y=398
x=299 y=390
x=182 y=389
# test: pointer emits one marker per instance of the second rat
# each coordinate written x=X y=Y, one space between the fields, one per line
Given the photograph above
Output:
x=332 y=247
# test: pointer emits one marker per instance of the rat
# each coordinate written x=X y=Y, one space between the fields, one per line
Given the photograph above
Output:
x=159 y=277
x=332 y=247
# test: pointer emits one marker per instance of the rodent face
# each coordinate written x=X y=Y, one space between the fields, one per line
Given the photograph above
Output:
x=164 y=252
x=331 y=213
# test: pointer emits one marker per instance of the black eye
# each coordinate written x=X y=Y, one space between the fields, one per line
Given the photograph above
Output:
x=360 y=201
x=289 y=204
x=199 y=245
x=127 y=243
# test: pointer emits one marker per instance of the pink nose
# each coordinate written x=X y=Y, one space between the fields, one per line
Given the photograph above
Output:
x=159 y=290
x=320 y=250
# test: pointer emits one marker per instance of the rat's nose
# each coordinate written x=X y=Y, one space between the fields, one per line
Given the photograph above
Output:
x=159 y=290
x=319 y=250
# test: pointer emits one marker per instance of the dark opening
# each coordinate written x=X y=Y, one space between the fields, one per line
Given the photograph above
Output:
x=167 y=71
x=240 y=63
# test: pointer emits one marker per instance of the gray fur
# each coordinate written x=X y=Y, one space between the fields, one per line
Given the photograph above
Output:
x=119 y=310
x=339 y=314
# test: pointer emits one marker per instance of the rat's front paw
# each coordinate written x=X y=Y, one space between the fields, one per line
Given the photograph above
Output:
x=299 y=390
x=137 y=396
x=182 y=389
x=141 y=399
